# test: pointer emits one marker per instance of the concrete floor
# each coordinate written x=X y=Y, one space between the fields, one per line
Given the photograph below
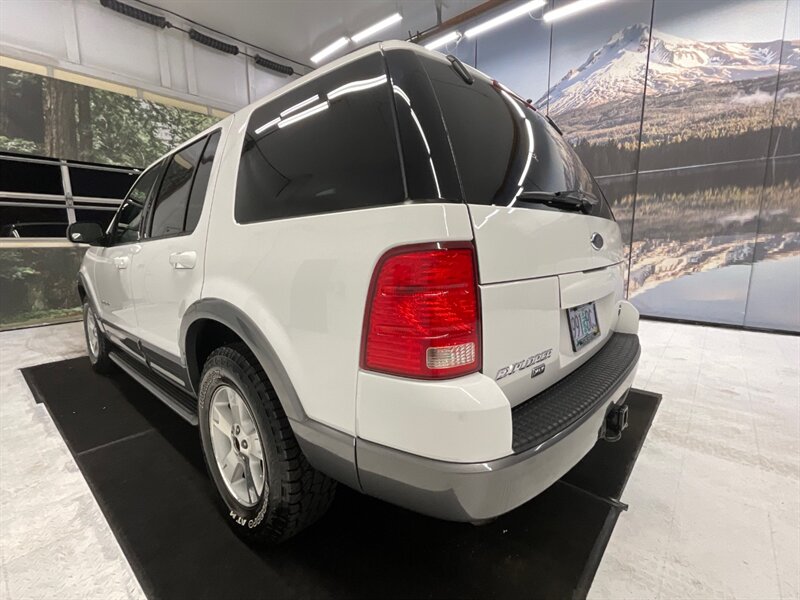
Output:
x=714 y=498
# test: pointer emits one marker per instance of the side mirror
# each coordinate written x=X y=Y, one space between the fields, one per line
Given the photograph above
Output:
x=86 y=233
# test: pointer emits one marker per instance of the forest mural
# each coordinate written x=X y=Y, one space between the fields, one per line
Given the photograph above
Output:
x=50 y=117
x=54 y=118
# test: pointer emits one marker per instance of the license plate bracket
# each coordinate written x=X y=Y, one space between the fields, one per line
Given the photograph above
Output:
x=583 y=324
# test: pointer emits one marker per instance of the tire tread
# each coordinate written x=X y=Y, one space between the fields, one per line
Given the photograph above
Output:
x=305 y=493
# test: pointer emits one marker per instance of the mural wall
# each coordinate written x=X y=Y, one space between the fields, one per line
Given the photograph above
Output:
x=51 y=117
x=688 y=114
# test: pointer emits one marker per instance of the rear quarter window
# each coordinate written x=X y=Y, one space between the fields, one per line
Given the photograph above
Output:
x=329 y=145
x=502 y=146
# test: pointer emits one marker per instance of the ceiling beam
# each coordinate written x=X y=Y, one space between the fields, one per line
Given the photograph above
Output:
x=468 y=15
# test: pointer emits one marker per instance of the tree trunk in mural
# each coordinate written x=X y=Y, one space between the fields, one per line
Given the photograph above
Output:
x=84 y=124
x=60 y=131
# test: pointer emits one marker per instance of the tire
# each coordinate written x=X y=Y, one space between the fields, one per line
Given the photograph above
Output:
x=96 y=343
x=296 y=494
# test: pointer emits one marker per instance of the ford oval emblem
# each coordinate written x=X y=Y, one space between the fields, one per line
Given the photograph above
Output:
x=596 y=240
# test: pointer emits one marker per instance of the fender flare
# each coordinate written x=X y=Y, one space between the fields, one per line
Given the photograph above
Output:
x=236 y=320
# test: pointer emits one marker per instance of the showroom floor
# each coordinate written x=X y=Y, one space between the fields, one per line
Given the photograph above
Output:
x=714 y=497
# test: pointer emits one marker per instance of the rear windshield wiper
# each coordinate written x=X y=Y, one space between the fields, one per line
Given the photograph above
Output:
x=567 y=199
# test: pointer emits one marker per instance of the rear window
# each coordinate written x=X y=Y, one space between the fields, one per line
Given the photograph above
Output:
x=502 y=146
x=329 y=145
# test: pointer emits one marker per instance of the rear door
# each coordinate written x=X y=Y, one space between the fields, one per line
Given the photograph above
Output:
x=167 y=272
x=538 y=263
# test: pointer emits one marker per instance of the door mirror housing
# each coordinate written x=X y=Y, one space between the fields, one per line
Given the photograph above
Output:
x=86 y=233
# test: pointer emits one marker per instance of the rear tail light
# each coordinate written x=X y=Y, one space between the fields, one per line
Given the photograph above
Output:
x=422 y=318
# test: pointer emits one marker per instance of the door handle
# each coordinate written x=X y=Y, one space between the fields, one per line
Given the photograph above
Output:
x=122 y=262
x=183 y=260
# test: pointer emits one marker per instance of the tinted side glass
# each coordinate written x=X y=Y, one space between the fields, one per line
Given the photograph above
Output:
x=502 y=146
x=427 y=158
x=128 y=220
x=13 y=218
x=98 y=183
x=169 y=209
x=200 y=185
x=33 y=178
x=329 y=145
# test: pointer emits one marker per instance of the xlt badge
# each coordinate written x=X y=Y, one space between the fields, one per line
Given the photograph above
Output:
x=525 y=364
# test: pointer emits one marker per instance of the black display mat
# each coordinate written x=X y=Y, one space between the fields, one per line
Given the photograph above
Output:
x=145 y=468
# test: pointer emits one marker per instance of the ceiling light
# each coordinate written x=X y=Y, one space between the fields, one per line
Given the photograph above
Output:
x=505 y=17
x=328 y=50
x=453 y=36
x=570 y=9
x=380 y=25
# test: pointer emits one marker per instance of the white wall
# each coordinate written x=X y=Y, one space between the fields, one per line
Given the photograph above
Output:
x=84 y=37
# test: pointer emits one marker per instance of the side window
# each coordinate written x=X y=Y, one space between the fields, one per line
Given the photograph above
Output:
x=326 y=146
x=126 y=224
x=200 y=185
x=169 y=208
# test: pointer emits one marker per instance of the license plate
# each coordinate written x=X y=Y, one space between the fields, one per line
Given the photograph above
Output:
x=583 y=326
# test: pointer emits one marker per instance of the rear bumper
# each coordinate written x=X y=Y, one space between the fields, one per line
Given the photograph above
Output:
x=474 y=491
x=553 y=431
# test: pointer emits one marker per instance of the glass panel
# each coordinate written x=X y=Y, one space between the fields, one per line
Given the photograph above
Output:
x=38 y=284
x=327 y=146
x=169 y=213
x=774 y=298
x=31 y=178
x=101 y=216
x=427 y=157
x=597 y=74
x=128 y=219
x=502 y=146
x=518 y=56
x=693 y=239
x=711 y=101
x=200 y=185
x=30 y=221
x=97 y=183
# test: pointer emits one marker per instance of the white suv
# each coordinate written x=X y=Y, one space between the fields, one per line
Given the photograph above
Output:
x=392 y=273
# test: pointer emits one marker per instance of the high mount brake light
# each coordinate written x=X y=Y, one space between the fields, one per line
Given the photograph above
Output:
x=422 y=318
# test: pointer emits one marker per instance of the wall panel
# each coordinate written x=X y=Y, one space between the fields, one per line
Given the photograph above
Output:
x=518 y=54
x=26 y=24
x=597 y=77
x=107 y=42
x=711 y=89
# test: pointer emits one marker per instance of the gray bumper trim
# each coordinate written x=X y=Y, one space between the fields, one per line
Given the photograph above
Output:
x=475 y=491
x=458 y=491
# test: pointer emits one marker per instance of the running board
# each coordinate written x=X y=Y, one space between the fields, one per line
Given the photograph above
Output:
x=181 y=402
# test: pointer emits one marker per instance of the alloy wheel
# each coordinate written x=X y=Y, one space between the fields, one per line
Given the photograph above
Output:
x=237 y=447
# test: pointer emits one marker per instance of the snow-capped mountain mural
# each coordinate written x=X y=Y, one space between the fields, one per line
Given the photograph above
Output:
x=617 y=69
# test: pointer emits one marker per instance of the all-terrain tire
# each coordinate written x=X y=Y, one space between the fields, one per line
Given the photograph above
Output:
x=96 y=344
x=297 y=494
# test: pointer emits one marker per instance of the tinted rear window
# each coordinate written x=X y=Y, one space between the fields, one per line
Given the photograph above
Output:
x=329 y=145
x=502 y=146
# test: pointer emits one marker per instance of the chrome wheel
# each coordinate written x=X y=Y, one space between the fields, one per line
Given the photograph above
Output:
x=92 y=335
x=236 y=443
